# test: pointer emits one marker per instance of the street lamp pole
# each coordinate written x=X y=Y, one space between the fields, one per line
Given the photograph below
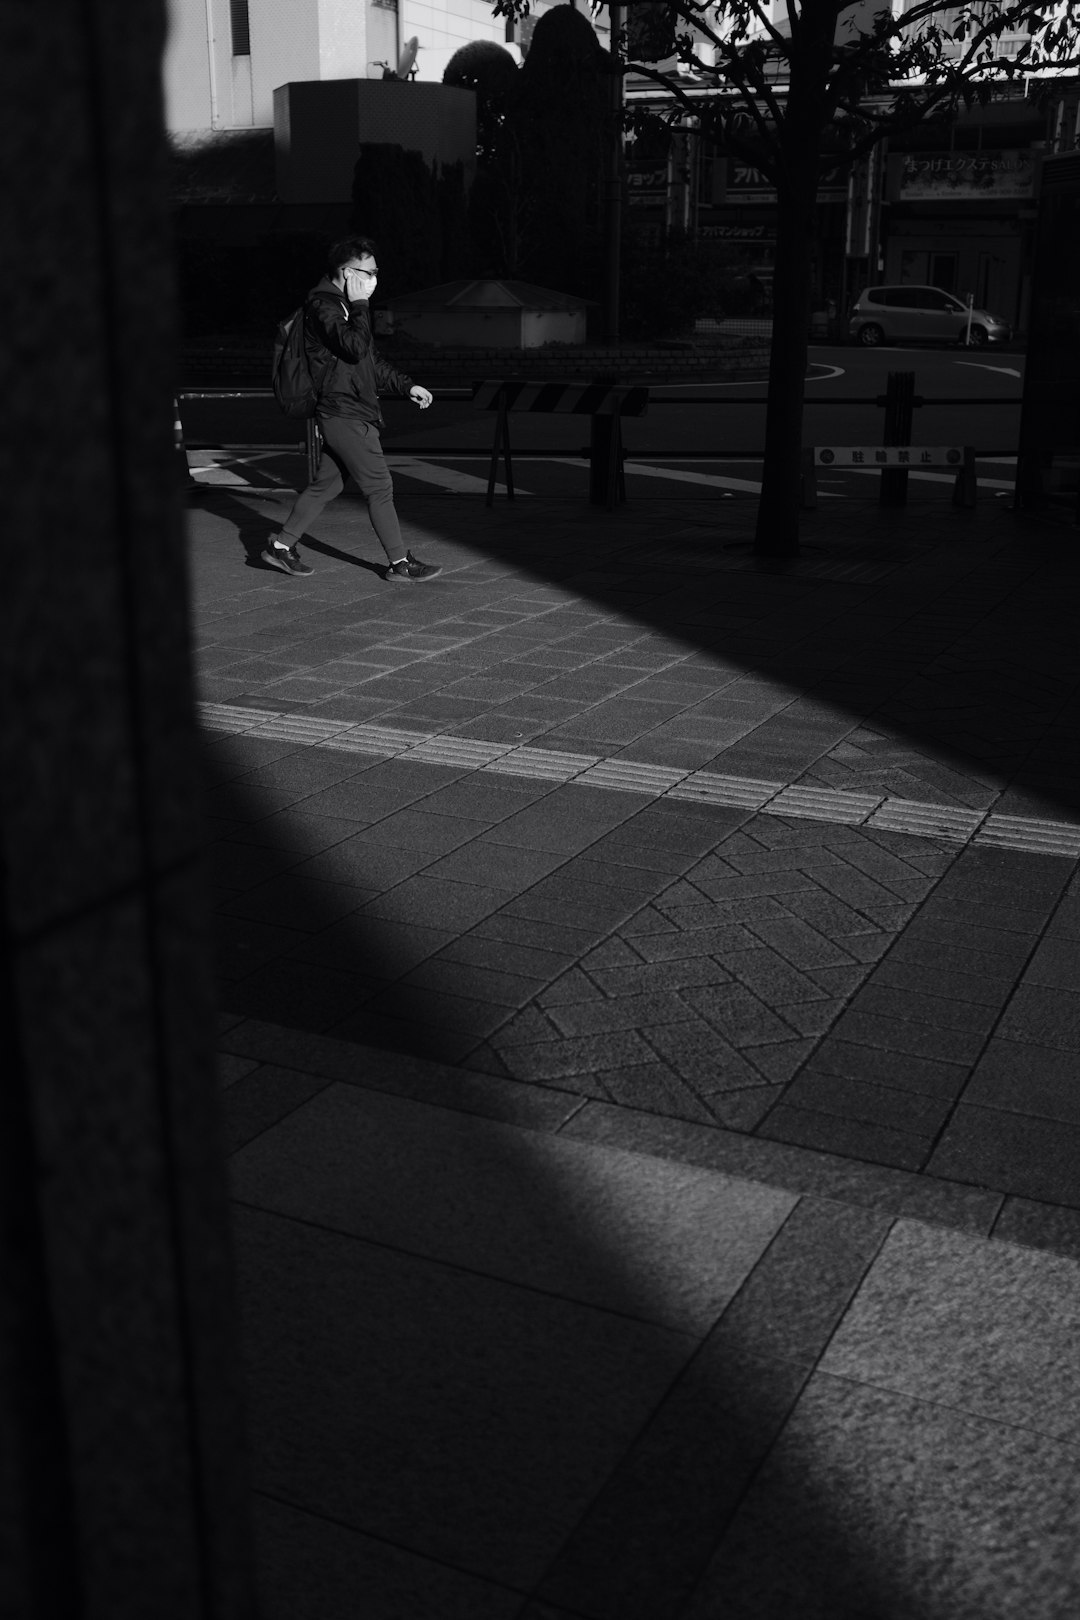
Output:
x=613 y=209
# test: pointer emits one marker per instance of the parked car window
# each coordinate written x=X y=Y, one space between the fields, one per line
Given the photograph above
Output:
x=875 y=295
x=907 y=298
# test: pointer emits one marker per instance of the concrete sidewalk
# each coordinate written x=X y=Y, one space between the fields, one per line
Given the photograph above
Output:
x=651 y=1046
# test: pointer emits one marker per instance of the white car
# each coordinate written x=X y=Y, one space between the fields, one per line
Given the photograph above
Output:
x=920 y=315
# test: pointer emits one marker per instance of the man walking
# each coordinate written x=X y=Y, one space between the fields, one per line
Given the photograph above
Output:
x=348 y=372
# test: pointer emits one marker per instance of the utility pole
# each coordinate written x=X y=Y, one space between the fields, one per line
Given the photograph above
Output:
x=613 y=210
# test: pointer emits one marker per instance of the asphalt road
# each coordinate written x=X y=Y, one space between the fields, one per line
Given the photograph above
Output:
x=720 y=416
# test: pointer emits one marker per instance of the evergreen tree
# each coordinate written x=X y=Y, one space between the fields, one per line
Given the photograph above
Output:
x=490 y=71
x=396 y=201
x=456 y=258
x=551 y=157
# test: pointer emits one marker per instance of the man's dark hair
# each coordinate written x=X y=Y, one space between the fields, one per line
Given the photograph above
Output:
x=350 y=247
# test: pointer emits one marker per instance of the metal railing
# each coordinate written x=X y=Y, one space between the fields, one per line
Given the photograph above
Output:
x=302 y=445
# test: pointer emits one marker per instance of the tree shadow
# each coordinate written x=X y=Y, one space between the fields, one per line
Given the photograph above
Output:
x=945 y=635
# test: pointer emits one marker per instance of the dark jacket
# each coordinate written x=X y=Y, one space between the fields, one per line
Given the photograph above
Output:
x=347 y=367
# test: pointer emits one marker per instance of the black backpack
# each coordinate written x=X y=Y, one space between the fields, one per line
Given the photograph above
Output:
x=294 y=386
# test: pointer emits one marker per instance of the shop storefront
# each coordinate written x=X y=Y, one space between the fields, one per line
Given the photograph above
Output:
x=952 y=204
x=961 y=220
x=728 y=207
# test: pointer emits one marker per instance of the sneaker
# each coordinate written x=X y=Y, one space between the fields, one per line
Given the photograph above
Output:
x=287 y=558
x=410 y=569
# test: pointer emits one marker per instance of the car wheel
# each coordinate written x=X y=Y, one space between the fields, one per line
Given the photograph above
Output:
x=979 y=337
x=870 y=335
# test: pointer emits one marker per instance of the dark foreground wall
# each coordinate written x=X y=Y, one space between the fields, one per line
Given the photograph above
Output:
x=121 y=1482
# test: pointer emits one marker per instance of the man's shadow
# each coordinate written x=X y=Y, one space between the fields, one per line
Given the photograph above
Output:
x=254 y=527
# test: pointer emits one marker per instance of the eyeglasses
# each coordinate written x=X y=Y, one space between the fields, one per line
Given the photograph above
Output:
x=355 y=270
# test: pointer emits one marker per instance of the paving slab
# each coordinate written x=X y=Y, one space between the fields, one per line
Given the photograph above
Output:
x=310 y=1567
x=891 y=1386
x=647 y=1239
x=644 y=1543
x=1007 y=1316
x=399 y=1396
x=617 y=940
x=755 y=967
x=853 y=1513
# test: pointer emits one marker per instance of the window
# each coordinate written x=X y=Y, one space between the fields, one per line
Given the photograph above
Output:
x=943 y=271
x=707 y=175
x=519 y=31
x=240 y=27
x=914 y=267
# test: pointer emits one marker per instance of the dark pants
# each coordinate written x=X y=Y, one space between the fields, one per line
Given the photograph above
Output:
x=351 y=448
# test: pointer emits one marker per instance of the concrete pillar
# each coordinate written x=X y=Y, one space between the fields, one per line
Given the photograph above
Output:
x=122 y=1491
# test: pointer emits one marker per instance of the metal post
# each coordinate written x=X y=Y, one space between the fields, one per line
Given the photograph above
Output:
x=601 y=429
x=613 y=210
x=618 y=478
x=899 y=402
x=809 y=480
x=501 y=443
x=966 y=488
x=183 y=466
x=607 y=480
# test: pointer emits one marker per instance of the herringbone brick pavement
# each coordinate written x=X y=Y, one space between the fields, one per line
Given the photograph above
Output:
x=720 y=989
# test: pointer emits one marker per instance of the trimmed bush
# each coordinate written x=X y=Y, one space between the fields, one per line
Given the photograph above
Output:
x=491 y=72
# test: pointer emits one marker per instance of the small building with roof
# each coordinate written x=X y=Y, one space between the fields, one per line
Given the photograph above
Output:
x=487 y=313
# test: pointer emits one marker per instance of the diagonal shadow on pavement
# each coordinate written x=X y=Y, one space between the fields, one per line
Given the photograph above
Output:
x=933 y=1035
x=499 y=1370
x=528 y=1415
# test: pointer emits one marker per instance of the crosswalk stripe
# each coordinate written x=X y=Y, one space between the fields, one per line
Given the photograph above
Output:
x=677 y=475
x=934 y=478
x=447 y=478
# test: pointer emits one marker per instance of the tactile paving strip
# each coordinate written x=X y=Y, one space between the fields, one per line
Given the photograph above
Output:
x=544 y=764
x=823 y=804
x=1037 y=837
x=953 y=822
x=470 y=751
x=929 y=820
x=709 y=787
x=630 y=777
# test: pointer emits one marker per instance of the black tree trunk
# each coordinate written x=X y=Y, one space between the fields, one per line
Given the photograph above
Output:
x=800 y=138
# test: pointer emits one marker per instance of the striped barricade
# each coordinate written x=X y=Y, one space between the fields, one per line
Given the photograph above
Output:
x=958 y=458
x=604 y=403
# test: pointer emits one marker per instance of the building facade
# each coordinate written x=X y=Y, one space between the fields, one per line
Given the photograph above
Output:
x=225 y=58
x=952 y=207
